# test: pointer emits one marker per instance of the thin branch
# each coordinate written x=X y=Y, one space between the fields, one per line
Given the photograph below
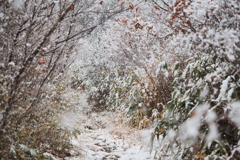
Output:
x=159 y=6
x=165 y=3
x=18 y=78
x=89 y=30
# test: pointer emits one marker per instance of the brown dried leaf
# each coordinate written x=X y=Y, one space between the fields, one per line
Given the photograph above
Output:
x=131 y=6
x=175 y=16
x=156 y=7
x=184 y=31
x=138 y=26
x=72 y=7
x=200 y=156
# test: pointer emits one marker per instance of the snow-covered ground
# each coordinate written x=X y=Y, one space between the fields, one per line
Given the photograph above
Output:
x=105 y=136
x=109 y=140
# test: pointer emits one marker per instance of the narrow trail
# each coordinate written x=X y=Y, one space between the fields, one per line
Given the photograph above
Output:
x=105 y=137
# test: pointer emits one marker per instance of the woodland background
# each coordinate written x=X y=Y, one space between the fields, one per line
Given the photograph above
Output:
x=171 y=63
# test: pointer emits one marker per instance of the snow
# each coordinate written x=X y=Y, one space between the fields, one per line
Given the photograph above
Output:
x=190 y=128
x=17 y=4
x=105 y=135
x=28 y=44
x=212 y=133
x=235 y=112
x=171 y=134
x=12 y=64
x=211 y=116
x=213 y=129
x=49 y=155
x=224 y=87
x=23 y=147
x=233 y=152
x=12 y=150
x=106 y=138
x=204 y=93
x=69 y=121
x=162 y=67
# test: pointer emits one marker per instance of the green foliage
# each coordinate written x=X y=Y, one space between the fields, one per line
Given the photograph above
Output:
x=114 y=87
x=207 y=88
x=107 y=85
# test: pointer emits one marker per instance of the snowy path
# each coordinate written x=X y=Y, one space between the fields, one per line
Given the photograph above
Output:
x=105 y=137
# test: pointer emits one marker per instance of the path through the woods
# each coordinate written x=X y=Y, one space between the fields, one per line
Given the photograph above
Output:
x=105 y=136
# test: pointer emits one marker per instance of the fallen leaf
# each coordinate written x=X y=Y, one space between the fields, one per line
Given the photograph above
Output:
x=200 y=156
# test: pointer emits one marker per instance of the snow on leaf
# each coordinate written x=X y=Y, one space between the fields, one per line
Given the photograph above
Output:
x=162 y=67
x=235 y=112
x=224 y=88
x=190 y=128
x=204 y=92
x=210 y=118
x=171 y=134
x=212 y=133
x=24 y=147
x=49 y=155
x=11 y=64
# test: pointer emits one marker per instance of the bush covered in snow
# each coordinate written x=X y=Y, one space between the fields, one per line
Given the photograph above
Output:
x=31 y=133
x=199 y=119
x=193 y=97
x=37 y=45
x=200 y=114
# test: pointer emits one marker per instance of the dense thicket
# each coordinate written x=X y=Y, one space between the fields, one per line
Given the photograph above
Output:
x=37 y=45
x=175 y=63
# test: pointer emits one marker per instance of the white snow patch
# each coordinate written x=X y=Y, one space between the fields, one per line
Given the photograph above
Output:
x=11 y=64
x=28 y=44
x=224 y=87
x=204 y=93
x=213 y=129
x=17 y=4
x=171 y=134
x=69 y=121
x=110 y=138
x=190 y=128
x=49 y=155
x=235 y=112
x=212 y=133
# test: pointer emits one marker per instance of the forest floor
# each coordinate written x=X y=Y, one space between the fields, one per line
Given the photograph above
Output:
x=105 y=136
